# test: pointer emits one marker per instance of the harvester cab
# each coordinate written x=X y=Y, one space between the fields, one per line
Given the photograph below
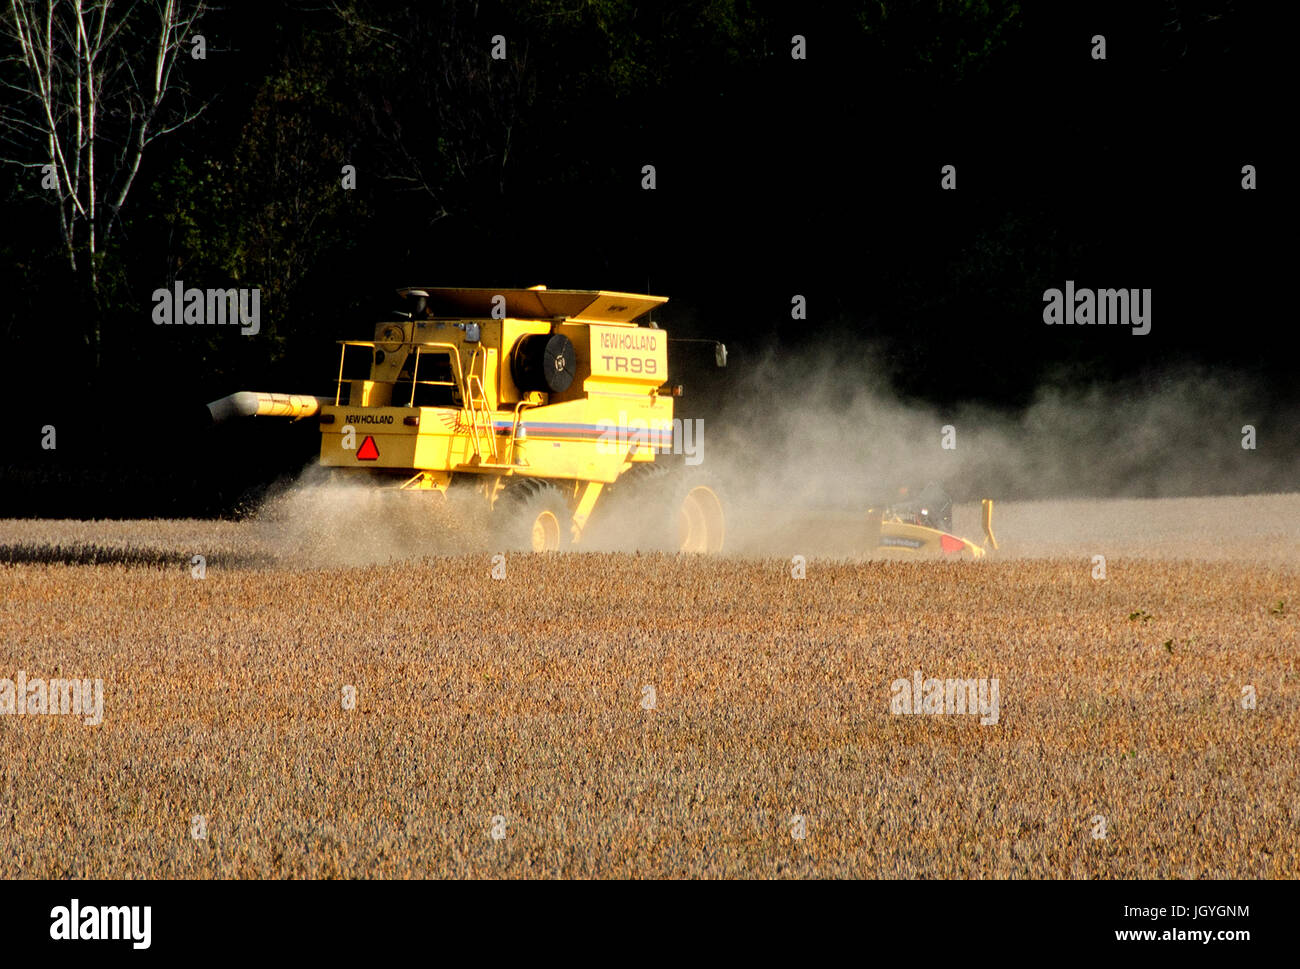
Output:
x=931 y=508
x=548 y=402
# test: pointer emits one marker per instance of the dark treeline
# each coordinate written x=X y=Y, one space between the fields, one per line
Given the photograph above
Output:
x=775 y=177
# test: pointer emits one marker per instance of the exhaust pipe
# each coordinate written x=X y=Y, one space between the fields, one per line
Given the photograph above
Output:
x=248 y=403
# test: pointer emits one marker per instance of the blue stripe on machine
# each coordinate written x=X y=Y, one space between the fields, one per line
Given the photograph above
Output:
x=550 y=429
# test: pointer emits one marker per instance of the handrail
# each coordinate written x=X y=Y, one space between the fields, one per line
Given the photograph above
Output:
x=514 y=430
x=453 y=353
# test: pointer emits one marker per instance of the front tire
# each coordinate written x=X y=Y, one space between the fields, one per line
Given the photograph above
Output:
x=535 y=517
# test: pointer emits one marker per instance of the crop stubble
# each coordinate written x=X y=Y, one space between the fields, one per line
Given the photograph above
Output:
x=522 y=699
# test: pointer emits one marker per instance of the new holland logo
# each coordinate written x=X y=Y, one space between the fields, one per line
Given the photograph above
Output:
x=889 y=541
x=368 y=451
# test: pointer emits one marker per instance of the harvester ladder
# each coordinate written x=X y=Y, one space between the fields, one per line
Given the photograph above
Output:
x=480 y=412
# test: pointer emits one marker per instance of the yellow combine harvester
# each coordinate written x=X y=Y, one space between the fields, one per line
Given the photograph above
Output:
x=547 y=402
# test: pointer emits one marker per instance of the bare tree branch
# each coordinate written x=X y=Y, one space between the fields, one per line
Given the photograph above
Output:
x=85 y=84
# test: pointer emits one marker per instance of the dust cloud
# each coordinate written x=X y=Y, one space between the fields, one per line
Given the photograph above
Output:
x=1152 y=467
x=810 y=442
x=325 y=519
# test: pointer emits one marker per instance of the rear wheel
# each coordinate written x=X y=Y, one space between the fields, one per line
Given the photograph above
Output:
x=701 y=525
x=534 y=515
x=665 y=507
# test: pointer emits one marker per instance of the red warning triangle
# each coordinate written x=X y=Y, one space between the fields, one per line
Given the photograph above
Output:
x=367 y=451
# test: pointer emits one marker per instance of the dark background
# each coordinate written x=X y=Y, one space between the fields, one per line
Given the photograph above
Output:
x=775 y=177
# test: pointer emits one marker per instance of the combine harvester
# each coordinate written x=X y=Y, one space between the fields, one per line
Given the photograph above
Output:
x=922 y=527
x=549 y=405
x=545 y=403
